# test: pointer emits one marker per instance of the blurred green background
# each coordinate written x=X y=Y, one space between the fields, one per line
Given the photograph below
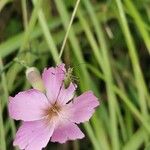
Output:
x=108 y=45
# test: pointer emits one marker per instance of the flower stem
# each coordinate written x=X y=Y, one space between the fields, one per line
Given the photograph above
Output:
x=69 y=26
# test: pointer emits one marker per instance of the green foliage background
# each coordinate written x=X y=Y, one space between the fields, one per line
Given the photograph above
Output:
x=108 y=45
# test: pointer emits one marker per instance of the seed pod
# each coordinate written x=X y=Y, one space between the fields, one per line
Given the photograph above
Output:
x=34 y=78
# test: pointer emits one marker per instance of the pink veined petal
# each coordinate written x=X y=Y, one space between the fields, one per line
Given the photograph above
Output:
x=82 y=107
x=65 y=131
x=66 y=94
x=28 y=105
x=53 y=78
x=34 y=135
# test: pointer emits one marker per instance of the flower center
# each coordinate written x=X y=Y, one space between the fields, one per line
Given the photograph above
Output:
x=53 y=111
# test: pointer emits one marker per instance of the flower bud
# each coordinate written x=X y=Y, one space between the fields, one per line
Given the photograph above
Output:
x=34 y=78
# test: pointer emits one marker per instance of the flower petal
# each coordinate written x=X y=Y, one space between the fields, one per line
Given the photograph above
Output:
x=28 y=105
x=53 y=81
x=65 y=131
x=34 y=135
x=66 y=94
x=82 y=107
x=53 y=78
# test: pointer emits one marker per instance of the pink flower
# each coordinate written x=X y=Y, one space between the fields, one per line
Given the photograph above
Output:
x=50 y=116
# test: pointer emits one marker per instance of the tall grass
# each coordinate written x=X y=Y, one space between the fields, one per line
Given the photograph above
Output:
x=110 y=40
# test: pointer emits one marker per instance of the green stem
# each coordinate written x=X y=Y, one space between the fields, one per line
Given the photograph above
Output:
x=140 y=83
x=48 y=37
x=138 y=22
x=2 y=133
x=101 y=54
x=24 y=12
x=68 y=29
x=31 y=25
x=6 y=95
x=90 y=132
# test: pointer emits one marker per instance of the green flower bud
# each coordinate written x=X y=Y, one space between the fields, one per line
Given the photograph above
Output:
x=34 y=78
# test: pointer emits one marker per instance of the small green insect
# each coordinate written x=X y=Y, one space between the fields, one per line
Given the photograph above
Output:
x=69 y=78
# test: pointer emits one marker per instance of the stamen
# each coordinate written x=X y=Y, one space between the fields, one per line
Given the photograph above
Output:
x=53 y=111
